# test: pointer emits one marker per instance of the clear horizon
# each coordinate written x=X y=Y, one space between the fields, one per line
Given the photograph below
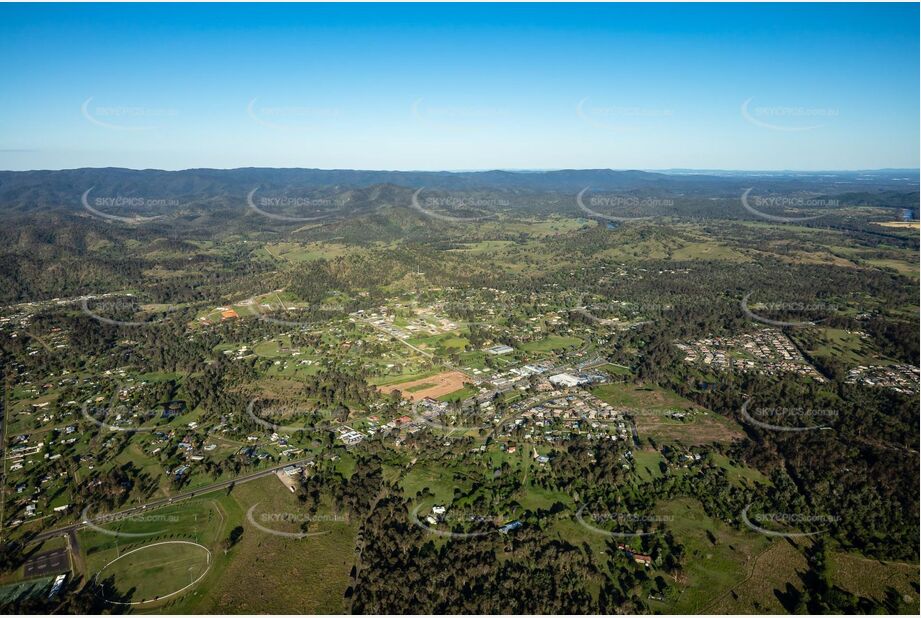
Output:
x=808 y=87
x=475 y=171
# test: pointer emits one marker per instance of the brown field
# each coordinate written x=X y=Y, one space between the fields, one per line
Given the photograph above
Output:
x=650 y=406
x=703 y=428
x=435 y=386
x=868 y=577
x=903 y=224
x=771 y=574
x=783 y=564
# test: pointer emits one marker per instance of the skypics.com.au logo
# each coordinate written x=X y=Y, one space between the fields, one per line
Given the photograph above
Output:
x=320 y=207
x=126 y=117
x=619 y=202
x=457 y=204
x=813 y=307
x=103 y=207
x=787 y=118
x=756 y=206
x=293 y=524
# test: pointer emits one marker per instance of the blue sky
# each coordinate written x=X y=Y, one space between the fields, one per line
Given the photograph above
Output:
x=421 y=86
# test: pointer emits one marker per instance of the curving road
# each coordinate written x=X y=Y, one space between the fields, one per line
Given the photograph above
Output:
x=160 y=502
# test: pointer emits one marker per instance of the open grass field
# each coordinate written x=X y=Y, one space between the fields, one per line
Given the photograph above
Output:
x=771 y=575
x=158 y=552
x=872 y=578
x=908 y=225
x=439 y=482
x=553 y=342
x=903 y=267
x=642 y=397
x=782 y=565
x=199 y=520
x=439 y=342
x=703 y=427
x=739 y=474
x=718 y=557
x=708 y=251
x=305 y=252
x=847 y=347
x=157 y=571
x=281 y=573
x=616 y=370
x=647 y=464
x=903 y=262
x=432 y=386
x=650 y=406
x=411 y=375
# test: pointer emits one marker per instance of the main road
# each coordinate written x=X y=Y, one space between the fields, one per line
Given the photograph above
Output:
x=84 y=522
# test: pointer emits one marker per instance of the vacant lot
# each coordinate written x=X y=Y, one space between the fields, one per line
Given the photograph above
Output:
x=717 y=556
x=652 y=406
x=774 y=572
x=648 y=464
x=872 y=578
x=265 y=573
x=433 y=386
x=553 y=342
x=903 y=224
x=847 y=347
x=700 y=428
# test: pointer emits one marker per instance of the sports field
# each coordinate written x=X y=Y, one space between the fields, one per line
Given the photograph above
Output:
x=158 y=571
x=432 y=386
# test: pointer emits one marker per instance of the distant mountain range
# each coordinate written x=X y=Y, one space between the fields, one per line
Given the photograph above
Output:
x=26 y=191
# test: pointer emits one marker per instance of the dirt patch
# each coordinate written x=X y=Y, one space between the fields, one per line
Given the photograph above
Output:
x=902 y=224
x=433 y=386
x=697 y=428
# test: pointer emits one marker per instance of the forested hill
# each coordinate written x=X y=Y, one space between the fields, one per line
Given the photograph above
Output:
x=44 y=189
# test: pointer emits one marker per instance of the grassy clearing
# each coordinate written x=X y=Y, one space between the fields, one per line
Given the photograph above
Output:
x=847 y=347
x=700 y=428
x=616 y=370
x=158 y=570
x=903 y=267
x=717 y=556
x=774 y=572
x=195 y=520
x=439 y=482
x=553 y=342
x=310 y=574
x=737 y=474
x=641 y=396
x=306 y=252
x=651 y=405
x=708 y=251
x=404 y=377
x=647 y=464
x=872 y=578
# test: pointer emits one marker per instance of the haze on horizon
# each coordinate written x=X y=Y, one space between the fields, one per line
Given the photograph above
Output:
x=429 y=87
